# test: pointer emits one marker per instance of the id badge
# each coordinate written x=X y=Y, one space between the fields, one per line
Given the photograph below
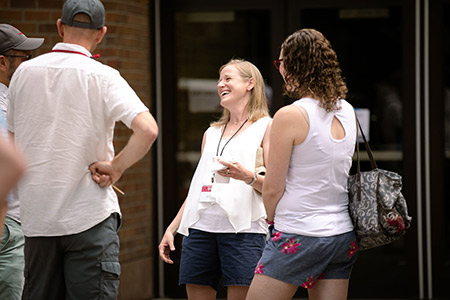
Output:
x=205 y=195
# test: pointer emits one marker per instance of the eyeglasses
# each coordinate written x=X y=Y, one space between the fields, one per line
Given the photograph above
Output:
x=277 y=63
x=27 y=57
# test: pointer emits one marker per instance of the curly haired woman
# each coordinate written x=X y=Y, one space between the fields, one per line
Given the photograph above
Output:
x=305 y=191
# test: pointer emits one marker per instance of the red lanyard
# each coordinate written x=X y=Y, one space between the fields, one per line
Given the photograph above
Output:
x=76 y=52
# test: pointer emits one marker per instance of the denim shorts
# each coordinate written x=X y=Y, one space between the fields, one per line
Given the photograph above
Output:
x=302 y=260
x=206 y=257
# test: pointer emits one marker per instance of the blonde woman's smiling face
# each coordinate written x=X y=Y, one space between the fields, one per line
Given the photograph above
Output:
x=231 y=86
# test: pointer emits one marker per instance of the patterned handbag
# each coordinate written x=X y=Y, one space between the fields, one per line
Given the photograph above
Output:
x=376 y=204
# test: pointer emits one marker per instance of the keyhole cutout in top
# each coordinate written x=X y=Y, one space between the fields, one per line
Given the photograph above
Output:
x=337 y=130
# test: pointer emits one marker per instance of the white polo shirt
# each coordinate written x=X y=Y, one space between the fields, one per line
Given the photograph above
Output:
x=62 y=110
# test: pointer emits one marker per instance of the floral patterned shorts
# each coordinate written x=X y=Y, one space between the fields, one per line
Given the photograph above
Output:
x=302 y=260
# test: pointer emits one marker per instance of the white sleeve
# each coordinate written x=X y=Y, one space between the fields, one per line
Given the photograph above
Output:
x=121 y=100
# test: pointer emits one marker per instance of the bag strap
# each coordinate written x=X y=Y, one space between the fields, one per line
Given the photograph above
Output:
x=358 y=166
x=373 y=164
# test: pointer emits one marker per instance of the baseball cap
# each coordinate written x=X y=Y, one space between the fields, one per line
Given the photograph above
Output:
x=93 y=8
x=12 y=38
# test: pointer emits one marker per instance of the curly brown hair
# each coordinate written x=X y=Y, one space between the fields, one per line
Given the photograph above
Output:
x=311 y=69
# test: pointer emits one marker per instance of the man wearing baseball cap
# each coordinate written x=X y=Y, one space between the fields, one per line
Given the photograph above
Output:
x=15 y=48
x=62 y=110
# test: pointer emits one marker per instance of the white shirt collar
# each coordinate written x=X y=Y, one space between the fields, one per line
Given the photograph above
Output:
x=72 y=47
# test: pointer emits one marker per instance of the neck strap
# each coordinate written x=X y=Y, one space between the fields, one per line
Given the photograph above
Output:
x=217 y=152
x=77 y=52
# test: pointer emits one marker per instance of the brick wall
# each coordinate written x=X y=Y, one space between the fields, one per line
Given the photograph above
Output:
x=126 y=47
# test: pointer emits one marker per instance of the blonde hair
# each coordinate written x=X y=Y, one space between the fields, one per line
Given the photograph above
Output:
x=257 y=106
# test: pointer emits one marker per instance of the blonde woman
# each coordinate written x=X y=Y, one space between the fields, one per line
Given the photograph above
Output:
x=223 y=217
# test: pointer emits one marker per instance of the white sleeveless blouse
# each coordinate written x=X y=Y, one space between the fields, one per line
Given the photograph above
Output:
x=235 y=206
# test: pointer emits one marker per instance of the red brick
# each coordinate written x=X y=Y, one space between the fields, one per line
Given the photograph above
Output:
x=37 y=16
x=138 y=20
x=118 y=18
x=109 y=52
x=142 y=43
x=55 y=39
x=128 y=30
x=130 y=7
x=28 y=29
x=10 y=16
x=23 y=3
x=51 y=4
x=135 y=76
x=55 y=15
x=48 y=28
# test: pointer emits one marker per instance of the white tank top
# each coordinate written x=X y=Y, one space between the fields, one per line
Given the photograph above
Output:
x=236 y=207
x=315 y=200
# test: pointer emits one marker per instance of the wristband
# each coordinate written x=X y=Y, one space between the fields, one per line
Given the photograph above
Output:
x=269 y=222
x=255 y=177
